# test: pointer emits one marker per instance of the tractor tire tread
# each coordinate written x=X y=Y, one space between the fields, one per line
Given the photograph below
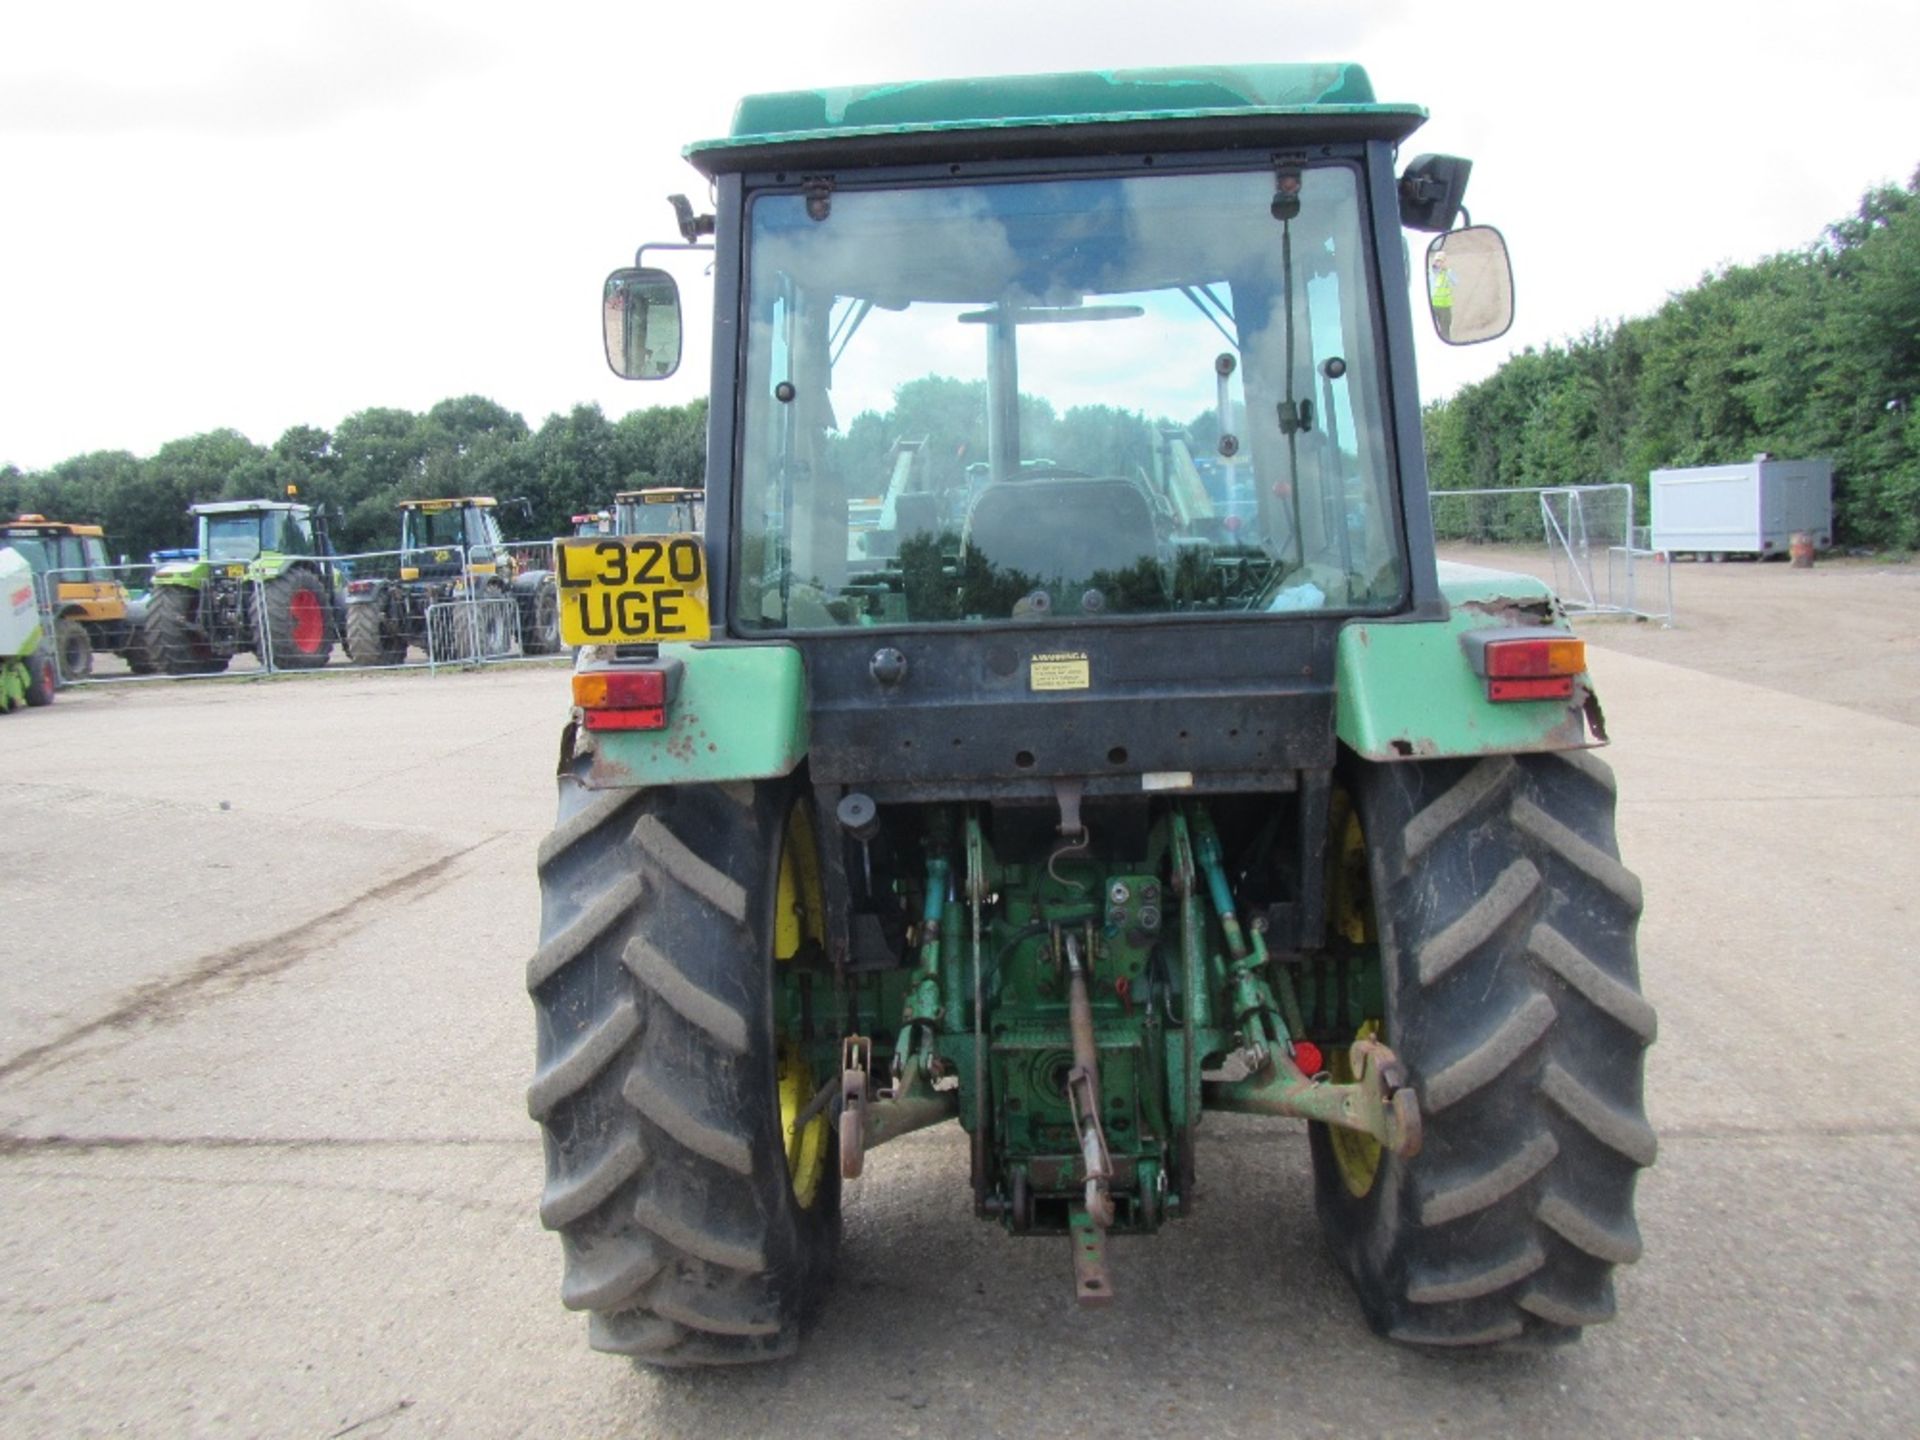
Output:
x=1481 y=921
x=367 y=641
x=667 y=983
x=74 y=647
x=274 y=627
x=606 y=1276
x=575 y=1068
x=667 y=1169
x=1434 y=1286
x=1506 y=921
x=1594 y=1309
x=169 y=637
x=1490 y=1056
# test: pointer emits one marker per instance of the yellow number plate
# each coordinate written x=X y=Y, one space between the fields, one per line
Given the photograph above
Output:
x=632 y=589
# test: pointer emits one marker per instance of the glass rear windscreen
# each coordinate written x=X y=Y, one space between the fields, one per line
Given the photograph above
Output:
x=981 y=403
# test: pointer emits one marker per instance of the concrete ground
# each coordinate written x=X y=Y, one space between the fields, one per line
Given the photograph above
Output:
x=265 y=1165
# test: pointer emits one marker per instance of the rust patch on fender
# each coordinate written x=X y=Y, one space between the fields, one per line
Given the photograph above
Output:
x=1512 y=610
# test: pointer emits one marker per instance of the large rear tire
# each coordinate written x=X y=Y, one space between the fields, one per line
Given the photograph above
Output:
x=170 y=634
x=295 y=621
x=691 y=1234
x=1505 y=925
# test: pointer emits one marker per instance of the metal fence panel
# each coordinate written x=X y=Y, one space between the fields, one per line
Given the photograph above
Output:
x=467 y=630
x=97 y=618
x=379 y=609
x=1600 y=563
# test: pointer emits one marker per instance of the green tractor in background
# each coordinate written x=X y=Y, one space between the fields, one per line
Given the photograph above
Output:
x=1138 y=760
x=263 y=582
x=452 y=551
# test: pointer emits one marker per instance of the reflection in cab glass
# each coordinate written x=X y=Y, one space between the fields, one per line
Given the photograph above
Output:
x=1085 y=397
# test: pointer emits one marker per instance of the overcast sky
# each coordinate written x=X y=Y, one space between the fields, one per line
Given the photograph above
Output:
x=259 y=215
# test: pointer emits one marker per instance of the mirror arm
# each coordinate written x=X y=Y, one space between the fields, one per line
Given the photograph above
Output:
x=640 y=255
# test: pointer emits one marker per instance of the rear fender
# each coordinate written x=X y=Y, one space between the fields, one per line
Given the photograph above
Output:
x=1407 y=691
x=740 y=714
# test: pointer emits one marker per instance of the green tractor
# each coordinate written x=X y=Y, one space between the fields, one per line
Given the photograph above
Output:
x=451 y=551
x=1122 y=782
x=263 y=581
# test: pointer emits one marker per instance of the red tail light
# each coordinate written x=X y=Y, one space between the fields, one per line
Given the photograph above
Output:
x=1526 y=664
x=1535 y=659
x=626 y=698
x=620 y=689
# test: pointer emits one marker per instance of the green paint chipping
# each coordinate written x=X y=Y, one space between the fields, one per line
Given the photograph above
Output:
x=741 y=715
x=1028 y=101
x=1407 y=691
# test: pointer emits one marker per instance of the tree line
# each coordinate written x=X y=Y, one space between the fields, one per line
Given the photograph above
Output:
x=1811 y=354
x=369 y=462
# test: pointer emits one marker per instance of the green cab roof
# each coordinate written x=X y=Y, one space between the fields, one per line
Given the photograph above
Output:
x=1098 y=109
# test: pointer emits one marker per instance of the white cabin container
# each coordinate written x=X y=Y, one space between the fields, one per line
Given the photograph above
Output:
x=1750 y=509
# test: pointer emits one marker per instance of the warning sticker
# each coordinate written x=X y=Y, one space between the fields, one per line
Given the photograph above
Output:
x=1066 y=670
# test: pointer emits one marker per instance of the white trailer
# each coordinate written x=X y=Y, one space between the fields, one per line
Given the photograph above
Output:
x=1751 y=509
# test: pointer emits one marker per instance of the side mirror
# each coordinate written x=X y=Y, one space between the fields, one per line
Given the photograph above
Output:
x=641 y=315
x=1470 y=285
x=1432 y=190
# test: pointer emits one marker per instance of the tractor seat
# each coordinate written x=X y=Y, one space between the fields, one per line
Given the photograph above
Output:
x=1063 y=531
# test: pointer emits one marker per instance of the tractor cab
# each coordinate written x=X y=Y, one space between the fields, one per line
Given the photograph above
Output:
x=592 y=522
x=75 y=555
x=660 y=510
x=439 y=538
x=237 y=532
x=86 y=597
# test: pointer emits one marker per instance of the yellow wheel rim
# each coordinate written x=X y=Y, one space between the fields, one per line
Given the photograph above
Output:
x=1357 y=1156
x=799 y=915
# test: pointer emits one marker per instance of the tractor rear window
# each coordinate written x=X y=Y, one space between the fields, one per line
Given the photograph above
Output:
x=980 y=403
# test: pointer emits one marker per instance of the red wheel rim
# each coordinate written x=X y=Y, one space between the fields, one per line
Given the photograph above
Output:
x=49 y=679
x=309 y=622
